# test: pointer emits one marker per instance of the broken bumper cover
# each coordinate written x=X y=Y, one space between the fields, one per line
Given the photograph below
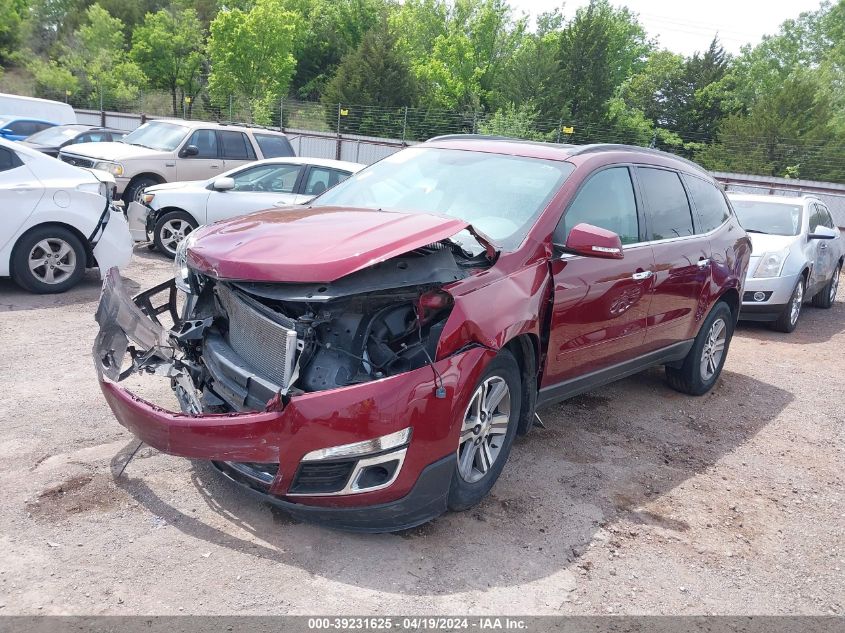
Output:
x=308 y=422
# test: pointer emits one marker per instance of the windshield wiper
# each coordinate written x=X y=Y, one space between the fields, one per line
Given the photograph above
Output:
x=757 y=231
x=139 y=145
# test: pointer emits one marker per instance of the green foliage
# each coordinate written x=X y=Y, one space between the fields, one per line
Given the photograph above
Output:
x=517 y=121
x=95 y=62
x=12 y=13
x=374 y=75
x=169 y=48
x=251 y=54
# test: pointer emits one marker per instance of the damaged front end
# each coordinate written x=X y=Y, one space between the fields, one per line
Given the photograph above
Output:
x=292 y=388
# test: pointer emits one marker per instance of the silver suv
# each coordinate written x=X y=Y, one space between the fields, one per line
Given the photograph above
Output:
x=170 y=150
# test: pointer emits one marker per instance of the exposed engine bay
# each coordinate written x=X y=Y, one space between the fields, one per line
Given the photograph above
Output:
x=240 y=346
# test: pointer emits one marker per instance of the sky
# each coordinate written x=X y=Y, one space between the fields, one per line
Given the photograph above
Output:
x=687 y=26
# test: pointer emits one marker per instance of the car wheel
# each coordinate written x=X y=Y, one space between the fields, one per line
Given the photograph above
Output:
x=170 y=229
x=827 y=295
x=48 y=260
x=703 y=364
x=487 y=432
x=133 y=191
x=788 y=319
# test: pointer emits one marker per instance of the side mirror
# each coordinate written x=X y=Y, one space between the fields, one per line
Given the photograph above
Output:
x=189 y=150
x=823 y=233
x=592 y=241
x=223 y=184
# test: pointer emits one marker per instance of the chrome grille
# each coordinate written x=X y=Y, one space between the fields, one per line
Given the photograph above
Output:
x=76 y=161
x=264 y=339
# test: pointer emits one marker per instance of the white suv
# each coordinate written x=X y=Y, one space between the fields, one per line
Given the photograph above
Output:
x=170 y=150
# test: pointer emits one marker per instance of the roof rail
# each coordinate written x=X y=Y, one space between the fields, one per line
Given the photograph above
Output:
x=619 y=147
x=491 y=137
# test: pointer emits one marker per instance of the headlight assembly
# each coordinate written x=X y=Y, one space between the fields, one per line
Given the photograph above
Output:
x=181 y=271
x=115 y=169
x=771 y=264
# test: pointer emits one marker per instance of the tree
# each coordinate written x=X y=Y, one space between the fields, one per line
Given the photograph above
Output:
x=169 y=48
x=516 y=122
x=251 y=54
x=376 y=76
x=96 y=57
x=12 y=13
x=331 y=29
x=598 y=50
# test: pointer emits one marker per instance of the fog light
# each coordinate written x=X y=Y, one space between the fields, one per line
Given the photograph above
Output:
x=759 y=296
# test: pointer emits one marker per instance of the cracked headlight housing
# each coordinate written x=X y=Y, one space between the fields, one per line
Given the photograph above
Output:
x=181 y=271
x=115 y=169
x=771 y=264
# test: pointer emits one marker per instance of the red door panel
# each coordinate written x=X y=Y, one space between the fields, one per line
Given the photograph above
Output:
x=599 y=313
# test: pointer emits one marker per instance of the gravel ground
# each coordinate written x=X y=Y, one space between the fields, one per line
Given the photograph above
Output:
x=634 y=500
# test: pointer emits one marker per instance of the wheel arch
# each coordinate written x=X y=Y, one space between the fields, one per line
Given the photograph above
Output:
x=732 y=298
x=89 y=254
x=525 y=348
x=144 y=174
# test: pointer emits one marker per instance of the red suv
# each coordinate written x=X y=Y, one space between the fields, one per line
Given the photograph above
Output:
x=367 y=360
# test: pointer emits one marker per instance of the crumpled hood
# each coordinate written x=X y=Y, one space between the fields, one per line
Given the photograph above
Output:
x=312 y=244
x=112 y=151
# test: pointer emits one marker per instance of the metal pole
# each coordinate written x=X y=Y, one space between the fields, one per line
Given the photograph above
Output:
x=282 y=114
x=358 y=151
x=559 y=126
x=474 y=120
x=338 y=148
x=230 y=108
x=405 y=124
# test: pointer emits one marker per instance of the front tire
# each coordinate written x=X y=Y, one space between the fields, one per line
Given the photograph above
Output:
x=487 y=432
x=48 y=260
x=133 y=191
x=170 y=229
x=788 y=319
x=703 y=364
x=827 y=295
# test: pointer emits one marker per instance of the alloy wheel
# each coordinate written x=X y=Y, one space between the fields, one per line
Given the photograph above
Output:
x=52 y=260
x=714 y=349
x=484 y=429
x=797 y=300
x=174 y=231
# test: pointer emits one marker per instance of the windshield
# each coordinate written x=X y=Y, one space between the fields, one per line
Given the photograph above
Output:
x=157 y=135
x=55 y=135
x=501 y=196
x=775 y=218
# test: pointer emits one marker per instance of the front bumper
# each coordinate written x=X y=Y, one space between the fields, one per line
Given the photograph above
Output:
x=136 y=215
x=777 y=291
x=307 y=422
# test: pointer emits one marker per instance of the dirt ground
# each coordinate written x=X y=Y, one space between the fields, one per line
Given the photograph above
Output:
x=635 y=499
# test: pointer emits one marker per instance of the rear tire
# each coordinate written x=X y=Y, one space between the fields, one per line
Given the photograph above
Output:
x=827 y=295
x=48 y=260
x=788 y=319
x=488 y=428
x=703 y=364
x=170 y=229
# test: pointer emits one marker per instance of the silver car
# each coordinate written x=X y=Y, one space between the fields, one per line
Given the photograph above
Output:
x=797 y=254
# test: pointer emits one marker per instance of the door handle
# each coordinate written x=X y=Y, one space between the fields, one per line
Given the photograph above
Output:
x=703 y=262
x=645 y=274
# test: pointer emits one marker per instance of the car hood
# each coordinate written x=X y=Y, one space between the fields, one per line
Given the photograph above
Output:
x=177 y=186
x=112 y=151
x=761 y=243
x=38 y=147
x=312 y=244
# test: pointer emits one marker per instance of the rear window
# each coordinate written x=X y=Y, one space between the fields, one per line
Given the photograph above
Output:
x=236 y=146
x=274 y=145
x=669 y=208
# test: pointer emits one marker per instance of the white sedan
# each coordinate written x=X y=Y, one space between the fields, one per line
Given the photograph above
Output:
x=58 y=220
x=170 y=211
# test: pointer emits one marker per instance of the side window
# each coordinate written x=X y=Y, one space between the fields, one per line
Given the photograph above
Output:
x=607 y=201
x=22 y=128
x=206 y=143
x=117 y=136
x=828 y=219
x=709 y=204
x=93 y=137
x=8 y=159
x=236 y=146
x=271 y=178
x=319 y=179
x=669 y=209
x=341 y=176
x=816 y=217
x=274 y=145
